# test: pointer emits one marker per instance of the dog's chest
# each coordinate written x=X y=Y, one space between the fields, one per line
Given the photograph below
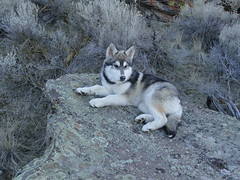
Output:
x=118 y=88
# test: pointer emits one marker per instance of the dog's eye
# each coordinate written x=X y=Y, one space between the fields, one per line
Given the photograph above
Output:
x=126 y=66
x=116 y=66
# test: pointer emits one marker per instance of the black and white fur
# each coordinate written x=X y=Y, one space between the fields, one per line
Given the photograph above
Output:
x=122 y=86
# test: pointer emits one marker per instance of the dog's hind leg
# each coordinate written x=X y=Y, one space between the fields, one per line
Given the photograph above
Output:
x=159 y=119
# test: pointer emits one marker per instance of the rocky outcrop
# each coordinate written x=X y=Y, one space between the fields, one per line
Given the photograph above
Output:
x=87 y=143
x=165 y=10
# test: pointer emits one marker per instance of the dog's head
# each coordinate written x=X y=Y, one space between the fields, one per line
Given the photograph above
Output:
x=118 y=64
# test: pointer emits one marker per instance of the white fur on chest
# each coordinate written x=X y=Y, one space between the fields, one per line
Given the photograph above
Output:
x=117 y=88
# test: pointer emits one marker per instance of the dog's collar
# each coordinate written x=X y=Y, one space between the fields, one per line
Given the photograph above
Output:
x=107 y=79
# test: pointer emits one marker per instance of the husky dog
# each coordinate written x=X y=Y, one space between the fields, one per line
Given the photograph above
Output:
x=122 y=86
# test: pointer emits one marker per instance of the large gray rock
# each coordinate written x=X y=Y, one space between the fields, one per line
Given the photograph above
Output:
x=105 y=144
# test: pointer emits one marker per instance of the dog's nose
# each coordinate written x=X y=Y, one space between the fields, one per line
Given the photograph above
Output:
x=122 y=78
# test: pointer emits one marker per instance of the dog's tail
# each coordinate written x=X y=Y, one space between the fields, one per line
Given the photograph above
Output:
x=172 y=124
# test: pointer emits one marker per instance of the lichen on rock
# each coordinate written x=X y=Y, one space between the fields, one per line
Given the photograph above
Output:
x=106 y=143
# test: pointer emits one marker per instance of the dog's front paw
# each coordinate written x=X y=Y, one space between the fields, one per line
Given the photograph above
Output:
x=98 y=102
x=84 y=91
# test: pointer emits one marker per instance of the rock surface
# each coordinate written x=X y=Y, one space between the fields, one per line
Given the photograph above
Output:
x=165 y=10
x=106 y=144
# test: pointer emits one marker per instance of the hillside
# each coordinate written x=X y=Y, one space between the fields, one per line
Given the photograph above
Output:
x=193 y=43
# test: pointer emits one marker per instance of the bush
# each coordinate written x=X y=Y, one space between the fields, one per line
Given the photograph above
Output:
x=114 y=21
x=226 y=54
x=23 y=116
x=197 y=29
x=225 y=57
x=31 y=54
x=21 y=23
x=42 y=40
x=54 y=11
x=203 y=46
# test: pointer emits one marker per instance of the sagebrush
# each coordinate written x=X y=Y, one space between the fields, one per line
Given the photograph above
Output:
x=202 y=44
x=43 y=40
x=31 y=53
x=113 y=21
x=225 y=57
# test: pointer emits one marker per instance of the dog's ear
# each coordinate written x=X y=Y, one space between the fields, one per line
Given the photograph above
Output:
x=130 y=52
x=111 y=50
